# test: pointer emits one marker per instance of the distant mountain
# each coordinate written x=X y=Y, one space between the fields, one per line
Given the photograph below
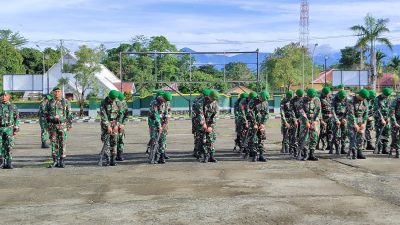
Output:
x=319 y=59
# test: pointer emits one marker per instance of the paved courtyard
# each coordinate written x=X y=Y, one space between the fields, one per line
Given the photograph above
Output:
x=184 y=191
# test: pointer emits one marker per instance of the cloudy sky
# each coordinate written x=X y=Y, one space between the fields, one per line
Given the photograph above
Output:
x=203 y=25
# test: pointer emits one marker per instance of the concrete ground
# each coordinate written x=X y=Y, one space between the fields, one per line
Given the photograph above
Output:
x=183 y=191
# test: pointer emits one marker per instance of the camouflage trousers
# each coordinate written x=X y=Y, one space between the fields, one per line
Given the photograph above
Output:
x=294 y=137
x=241 y=133
x=395 y=138
x=110 y=141
x=121 y=141
x=7 y=142
x=286 y=138
x=207 y=139
x=356 y=141
x=368 y=130
x=58 y=137
x=162 y=141
x=339 y=137
x=256 y=141
x=308 y=139
x=326 y=131
x=385 y=131
x=44 y=133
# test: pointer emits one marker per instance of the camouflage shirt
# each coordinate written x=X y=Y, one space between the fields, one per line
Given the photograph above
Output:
x=110 y=113
x=124 y=112
x=157 y=112
x=326 y=106
x=9 y=115
x=285 y=111
x=258 y=112
x=381 y=107
x=309 y=109
x=394 y=111
x=357 y=111
x=59 y=112
x=339 y=107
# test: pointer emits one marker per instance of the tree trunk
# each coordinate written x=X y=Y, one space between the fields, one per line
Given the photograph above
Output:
x=81 y=104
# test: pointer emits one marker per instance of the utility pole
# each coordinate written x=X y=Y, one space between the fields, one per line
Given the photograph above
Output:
x=312 y=66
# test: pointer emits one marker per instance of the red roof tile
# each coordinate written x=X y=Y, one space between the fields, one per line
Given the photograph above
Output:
x=126 y=86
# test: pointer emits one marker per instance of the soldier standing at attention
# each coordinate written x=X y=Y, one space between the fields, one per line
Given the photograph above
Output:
x=357 y=116
x=328 y=121
x=121 y=132
x=370 y=122
x=158 y=124
x=242 y=125
x=395 y=120
x=44 y=134
x=295 y=114
x=287 y=123
x=196 y=127
x=9 y=126
x=310 y=110
x=59 y=119
x=382 y=120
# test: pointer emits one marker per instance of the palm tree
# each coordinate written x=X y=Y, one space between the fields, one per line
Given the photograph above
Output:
x=394 y=64
x=371 y=33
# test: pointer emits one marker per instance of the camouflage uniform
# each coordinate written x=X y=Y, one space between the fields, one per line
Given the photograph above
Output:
x=370 y=124
x=242 y=123
x=196 y=127
x=121 y=133
x=44 y=134
x=207 y=114
x=381 y=108
x=9 y=124
x=327 y=123
x=294 y=134
x=59 y=119
x=257 y=115
x=286 y=132
x=156 y=121
x=340 y=132
x=309 y=110
x=357 y=113
x=395 y=121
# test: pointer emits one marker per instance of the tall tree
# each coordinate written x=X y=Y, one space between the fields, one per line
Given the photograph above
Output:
x=371 y=33
x=33 y=60
x=86 y=67
x=349 y=58
x=10 y=60
x=14 y=38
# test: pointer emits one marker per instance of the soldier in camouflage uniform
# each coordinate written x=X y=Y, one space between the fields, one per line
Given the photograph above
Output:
x=59 y=119
x=158 y=121
x=357 y=116
x=241 y=121
x=121 y=132
x=339 y=107
x=286 y=122
x=370 y=122
x=196 y=127
x=258 y=114
x=44 y=134
x=208 y=111
x=309 y=109
x=382 y=120
x=395 y=122
x=295 y=114
x=328 y=120
x=9 y=126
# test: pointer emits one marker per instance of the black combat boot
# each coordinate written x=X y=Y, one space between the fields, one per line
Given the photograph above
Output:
x=379 y=148
x=212 y=158
x=119 y=156
x=397 y=154
x=353 y=154
x=204 y=157
x=7 y=164
x=45 y=145
x=113 y=160
x=305 y=155
x=312 y=157
x=166 y=156
x=370 y=146
x=161 y=160
x=384 y=149
x=61 y=162
x=54 y=163
x=337 y=149
x=261 y=158
x=360 y=155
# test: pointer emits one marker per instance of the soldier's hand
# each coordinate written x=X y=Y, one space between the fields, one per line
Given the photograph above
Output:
x=296 y=123
x=121 y=128
x=397 y=125
x=362 y=126
x=204 y=127
x=255 y=127
x=109 y=130
x=383 y=122
x=356 y=127
x=209 y=129
x=308 y=125
x=262 y=127
x=388 y=121
x=115 y=129
x=338 y=123
x=287 y=125
x=160 y=130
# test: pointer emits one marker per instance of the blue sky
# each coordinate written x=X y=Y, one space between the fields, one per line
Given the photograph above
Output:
x=203 y=25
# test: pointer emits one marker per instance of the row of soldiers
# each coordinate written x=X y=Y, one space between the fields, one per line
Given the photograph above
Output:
x=307 y=120
x=251 y=114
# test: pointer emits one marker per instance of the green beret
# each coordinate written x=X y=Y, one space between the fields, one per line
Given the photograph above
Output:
x=372 y=94
x=253 y=95
x=342 y=94
x=340 y=86
x=244 y=95
x=264 y=95
x=300 y=92
x=289 y=94
x=363 y=93
x=113 y=94
x=214 y=95
x=49 y=97
x=326 y=90
x=159 y=93
x=311 y=92
x=56 y=88
x=206 y=92
x=121 y=96
x=167 y=96
x=387 y=91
